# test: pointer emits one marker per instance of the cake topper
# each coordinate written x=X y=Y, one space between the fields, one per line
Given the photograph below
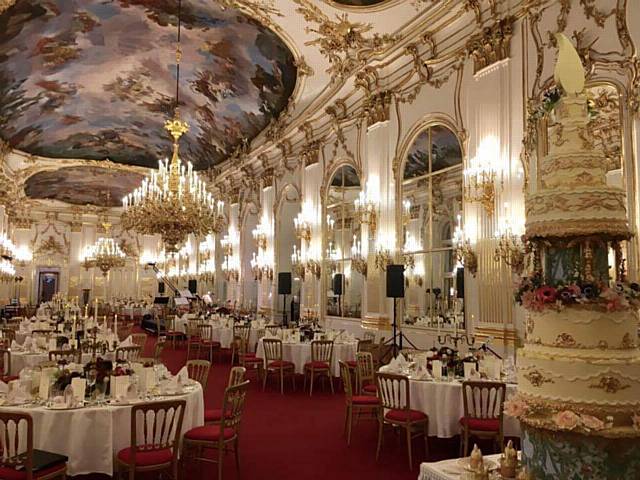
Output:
x=569 y=73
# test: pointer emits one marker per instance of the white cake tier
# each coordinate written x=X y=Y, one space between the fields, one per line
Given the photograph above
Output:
x=557 y=375
x=582 y=329
x=573 y=169
x=577 y=212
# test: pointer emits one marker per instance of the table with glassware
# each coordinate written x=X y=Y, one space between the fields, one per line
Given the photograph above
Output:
x=91 y=435
x=300 y=353
x=220 y=332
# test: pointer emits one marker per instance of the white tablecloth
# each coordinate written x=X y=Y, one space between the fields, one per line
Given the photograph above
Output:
x=300 y=353
x=446 y=469
x=91 y=436
x=442 y=402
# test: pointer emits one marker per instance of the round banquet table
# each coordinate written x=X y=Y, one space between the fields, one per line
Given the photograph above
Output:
x=20 y=360
x=221 y=334
x=91 y=436
x=300 y=353
x=442 y=402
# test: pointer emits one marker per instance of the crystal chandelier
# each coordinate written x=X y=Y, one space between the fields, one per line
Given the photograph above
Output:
x=105 y=254
x=173 y=202
x=7 y=271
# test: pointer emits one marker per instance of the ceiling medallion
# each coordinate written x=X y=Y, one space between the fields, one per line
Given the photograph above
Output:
x=173 y=202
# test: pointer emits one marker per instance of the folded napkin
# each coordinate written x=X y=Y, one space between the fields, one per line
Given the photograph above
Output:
x=182 y=376
x=4 y=388
x=127 y=342
x=15 y=346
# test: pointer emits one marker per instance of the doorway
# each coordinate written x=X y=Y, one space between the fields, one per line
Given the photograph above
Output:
x=48 y=285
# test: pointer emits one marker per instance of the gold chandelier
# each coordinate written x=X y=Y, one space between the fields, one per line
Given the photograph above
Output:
x=105 y=254
x=173 y=202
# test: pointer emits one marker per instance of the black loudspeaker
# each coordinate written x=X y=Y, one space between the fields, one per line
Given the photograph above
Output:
x=160 y=287
x=338 y=282
x=395 y=281
x=284 y=283
x=460 y=282
x=193 y=286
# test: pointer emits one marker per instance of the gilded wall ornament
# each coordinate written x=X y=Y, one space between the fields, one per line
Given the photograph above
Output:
x=492 y=45
x=347 y=45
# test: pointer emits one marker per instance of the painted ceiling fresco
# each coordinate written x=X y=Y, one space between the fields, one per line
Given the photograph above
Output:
x=445 y=152
x=83 y=185
x=95 y=79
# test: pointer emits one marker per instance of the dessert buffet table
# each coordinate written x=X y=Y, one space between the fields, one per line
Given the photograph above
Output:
x=92 y=435
x=448 y=469
x=442 y=401
x=300 y=353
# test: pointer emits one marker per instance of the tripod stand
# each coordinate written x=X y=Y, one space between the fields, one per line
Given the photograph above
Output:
x=395 y=343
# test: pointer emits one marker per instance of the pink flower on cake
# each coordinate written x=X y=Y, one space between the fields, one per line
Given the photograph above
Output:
x=591 y=423
x=546 y=294
x=566 y=420
x=574 y=289
x=516 y=407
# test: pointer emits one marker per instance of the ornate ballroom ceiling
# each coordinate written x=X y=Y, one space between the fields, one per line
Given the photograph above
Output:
x=84 y=81
x=82 y=185
x=90 y=79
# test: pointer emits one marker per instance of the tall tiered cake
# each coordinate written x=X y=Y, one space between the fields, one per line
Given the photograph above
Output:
x=579 y=371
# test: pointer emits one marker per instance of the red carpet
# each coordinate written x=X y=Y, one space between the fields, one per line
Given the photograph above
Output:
x=294 y=436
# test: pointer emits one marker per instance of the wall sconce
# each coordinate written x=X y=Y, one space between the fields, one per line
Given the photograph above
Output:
x=261 y=267
x=511 y=250
x=331 y=259
x=406 y=212
x=227 y=246
x=331 y=225
x=358 y=261
x=314 y=268
x=297 y=266
x=260 y=236
x=383 y=259
x=23 y=255
x=409 y=261
x=463 y=250
x=366 y=212
x=302 y=228
x=484 y=178
x=230 y=269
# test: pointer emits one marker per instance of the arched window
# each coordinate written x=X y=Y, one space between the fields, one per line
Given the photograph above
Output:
x=432 y=200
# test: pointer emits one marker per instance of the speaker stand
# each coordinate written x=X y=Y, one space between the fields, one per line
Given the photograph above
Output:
x=394 y=344
x=284 y=310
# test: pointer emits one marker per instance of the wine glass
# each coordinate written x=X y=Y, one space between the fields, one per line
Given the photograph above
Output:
x=92 y=377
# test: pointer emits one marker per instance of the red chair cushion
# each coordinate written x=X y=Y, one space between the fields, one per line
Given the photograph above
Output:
x=405 y=415
x=252 y=360
x=371 y=388
x=248 y=355
x=281 y=364
x=481 y=424
x=146 y=458
x=317 y=365
x=173 y=334
x=365 y=400
x=9 y=378
x=11 y=474
x=211 y=343
x=209 y=433
x=352 y=364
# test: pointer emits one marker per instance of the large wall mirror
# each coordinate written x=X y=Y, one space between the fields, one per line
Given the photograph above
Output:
x=432 y=182
x=344 y=284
